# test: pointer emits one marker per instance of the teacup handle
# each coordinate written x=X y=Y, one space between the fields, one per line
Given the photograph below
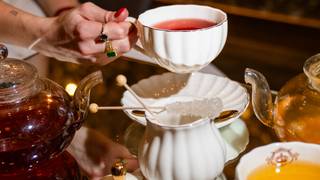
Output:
x=140 y=49
x=137 y=47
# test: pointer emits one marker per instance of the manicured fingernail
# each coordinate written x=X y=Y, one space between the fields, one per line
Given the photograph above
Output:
x=119 y=11
x=133 y=156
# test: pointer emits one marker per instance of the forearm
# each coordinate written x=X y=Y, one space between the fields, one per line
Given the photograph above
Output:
x=52 y=7
x=18 y=27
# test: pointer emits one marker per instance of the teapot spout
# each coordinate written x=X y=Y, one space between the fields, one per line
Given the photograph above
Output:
x=261 y=96
x=81 y=97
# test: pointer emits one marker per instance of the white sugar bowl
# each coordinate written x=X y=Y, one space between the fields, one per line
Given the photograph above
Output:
x=181 y=148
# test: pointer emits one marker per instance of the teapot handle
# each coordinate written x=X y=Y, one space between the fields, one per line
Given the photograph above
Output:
x=3 y=52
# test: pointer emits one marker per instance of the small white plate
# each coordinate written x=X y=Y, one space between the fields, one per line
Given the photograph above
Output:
x=170 y=87
x=137 y=176
x=129 y=176
x=236 y=136
x=221 y=177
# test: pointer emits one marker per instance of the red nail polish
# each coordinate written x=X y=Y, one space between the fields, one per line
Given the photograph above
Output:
x=119 y=11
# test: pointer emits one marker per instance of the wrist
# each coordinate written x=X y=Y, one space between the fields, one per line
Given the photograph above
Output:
x=29 y=28
x=36 y=27
x=52 y=7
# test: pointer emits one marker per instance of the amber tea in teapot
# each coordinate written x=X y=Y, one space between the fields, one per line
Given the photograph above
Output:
x=295 y=115
x=298 y=112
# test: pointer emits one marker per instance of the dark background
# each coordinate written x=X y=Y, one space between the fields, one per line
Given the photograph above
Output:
x=135 y=7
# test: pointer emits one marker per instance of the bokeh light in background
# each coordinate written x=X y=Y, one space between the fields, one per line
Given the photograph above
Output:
x=71 y=88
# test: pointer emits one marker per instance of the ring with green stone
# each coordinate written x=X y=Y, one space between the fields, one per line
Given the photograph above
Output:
x=110 y=52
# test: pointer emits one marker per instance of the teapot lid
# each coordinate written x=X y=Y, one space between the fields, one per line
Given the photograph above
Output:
x=16 y=77
x=312 y=69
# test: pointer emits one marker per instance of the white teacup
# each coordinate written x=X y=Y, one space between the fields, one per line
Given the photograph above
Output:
x=277 y=154
x=182 y=51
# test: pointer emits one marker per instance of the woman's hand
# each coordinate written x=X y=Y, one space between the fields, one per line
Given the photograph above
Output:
x=96 y=154
x=72 y=35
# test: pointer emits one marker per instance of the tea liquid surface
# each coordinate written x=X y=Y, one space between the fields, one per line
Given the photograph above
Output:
x=184 y=24
x=298 y=170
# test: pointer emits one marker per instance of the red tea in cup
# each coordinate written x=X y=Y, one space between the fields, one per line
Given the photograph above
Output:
x=184 y=24
x=182 y=38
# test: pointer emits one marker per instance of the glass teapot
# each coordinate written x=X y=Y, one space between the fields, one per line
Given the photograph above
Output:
x=295 y=114
x=38 y=119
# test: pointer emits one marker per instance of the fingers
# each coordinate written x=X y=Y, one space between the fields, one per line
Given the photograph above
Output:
x=92 y=17
x=117 y=30
x=93 y=12
x=122 y=34
x=131 y=161
x=114 y=153
x=90 y=29
x=89 y=47
x=121 y=15
x=93 y=21
x=132 y=164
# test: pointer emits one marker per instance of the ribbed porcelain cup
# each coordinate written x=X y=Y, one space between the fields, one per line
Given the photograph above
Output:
x=278 y=157
x=175 y=148
x=187 y=50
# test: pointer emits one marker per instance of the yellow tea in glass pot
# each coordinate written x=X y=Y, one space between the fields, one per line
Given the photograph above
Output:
x=297 y=170
x=294 y=115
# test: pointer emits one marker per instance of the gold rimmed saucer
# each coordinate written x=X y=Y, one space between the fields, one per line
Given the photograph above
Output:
x=160 y=90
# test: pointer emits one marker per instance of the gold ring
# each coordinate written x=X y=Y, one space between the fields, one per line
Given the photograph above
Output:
x=119 y=170
x=110 y=52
